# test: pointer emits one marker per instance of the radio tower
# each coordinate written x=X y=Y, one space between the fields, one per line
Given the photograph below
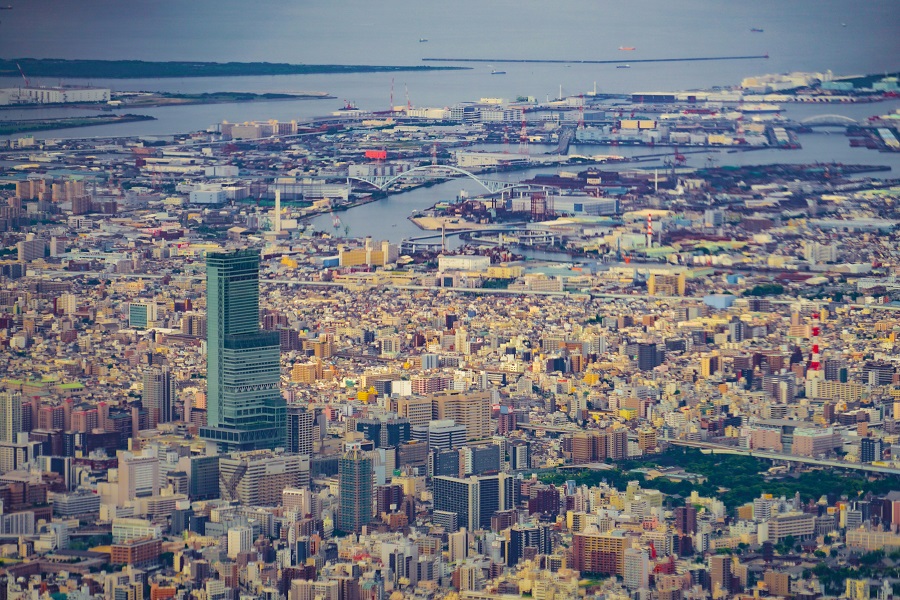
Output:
x=815 y=366
x=523 y=137
x=649 y=231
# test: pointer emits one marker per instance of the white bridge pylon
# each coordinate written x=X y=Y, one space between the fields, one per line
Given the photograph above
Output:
x=382 y=182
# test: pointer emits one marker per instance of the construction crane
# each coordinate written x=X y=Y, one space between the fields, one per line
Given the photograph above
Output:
x=27 y=84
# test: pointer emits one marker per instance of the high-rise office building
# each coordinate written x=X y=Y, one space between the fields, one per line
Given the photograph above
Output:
x=138 y=476
x=686 y=519
x=720 y=574
x=356 y=489
x=299 y=437
x=245 y=410
x=470 y=409
x=240 y=539
x=203 y=477
x=528 y=536
x=384 y=432
x=637 y=569
x=474 y=500
x=10 y=416
x=870 y=450
x=599 y=553
x=649 y=356
x=495 y=493
x=142 y=315
x=259 y=478
x=159 y=395
x=459 y=497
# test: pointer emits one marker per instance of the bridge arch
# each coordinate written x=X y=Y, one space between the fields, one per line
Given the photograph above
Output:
x=829 y=120
x=382 y=183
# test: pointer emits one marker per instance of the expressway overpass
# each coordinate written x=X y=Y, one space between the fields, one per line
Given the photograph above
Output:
x=819 y=462
x=549 y=428
x=499 y=292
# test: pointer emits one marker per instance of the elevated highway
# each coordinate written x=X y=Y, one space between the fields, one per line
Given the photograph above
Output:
x=820 y=462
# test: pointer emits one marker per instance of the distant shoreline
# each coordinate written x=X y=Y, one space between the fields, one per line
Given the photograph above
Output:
x=139 y=69
x=33 y=125
x=136 y=100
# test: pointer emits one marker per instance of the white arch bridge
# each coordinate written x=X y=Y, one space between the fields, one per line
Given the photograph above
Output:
x=824 y=120
x=429 y=172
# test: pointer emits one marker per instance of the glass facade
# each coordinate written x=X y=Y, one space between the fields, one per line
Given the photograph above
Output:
x=245 y=410
x=356 y=487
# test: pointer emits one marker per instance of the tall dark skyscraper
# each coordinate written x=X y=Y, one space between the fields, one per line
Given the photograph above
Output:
x=159 y=395
x=649 y=356
x=245 y=410
x=356 y=487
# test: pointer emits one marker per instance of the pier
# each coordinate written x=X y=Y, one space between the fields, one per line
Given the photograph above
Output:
x=625 y=61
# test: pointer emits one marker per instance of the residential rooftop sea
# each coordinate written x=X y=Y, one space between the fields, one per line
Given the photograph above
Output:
x=522 y=329
x=600 y=346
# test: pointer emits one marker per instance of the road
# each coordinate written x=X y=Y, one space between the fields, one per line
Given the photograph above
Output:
x=592 y=294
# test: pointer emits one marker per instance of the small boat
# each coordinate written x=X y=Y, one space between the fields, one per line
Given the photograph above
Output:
x=495 y=72
x=623 y=66
x=626 y=48
x=423 y=40
x=756 y=30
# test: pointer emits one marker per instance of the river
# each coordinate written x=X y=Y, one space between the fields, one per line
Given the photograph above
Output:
x=843 y=36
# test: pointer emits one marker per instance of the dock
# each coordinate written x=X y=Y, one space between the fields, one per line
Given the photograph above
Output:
x=627 y=61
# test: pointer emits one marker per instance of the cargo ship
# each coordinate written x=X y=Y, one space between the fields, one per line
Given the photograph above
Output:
x=626 y=47
x=756 y=30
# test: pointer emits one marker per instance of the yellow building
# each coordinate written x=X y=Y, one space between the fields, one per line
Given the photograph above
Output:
x=666 y=285
x=369 y=255
x=305 y=372
x=599 y=553
x=647 y=440
x=857 y=589
x=504 y=272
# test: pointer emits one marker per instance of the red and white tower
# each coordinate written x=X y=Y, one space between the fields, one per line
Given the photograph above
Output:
x=649 y=231
x=523 y=137
x=814 y=370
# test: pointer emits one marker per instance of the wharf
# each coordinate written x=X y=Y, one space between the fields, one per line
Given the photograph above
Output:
x=627 y=61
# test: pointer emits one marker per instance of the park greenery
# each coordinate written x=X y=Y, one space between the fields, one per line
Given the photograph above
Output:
x=765 y=289
x=733 y=479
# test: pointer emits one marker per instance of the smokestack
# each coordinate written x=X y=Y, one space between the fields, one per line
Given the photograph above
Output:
x=135 y=429
x=649 y=231
x=277 y=211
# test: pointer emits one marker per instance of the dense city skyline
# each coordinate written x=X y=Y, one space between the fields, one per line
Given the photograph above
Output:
x=472 y=302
